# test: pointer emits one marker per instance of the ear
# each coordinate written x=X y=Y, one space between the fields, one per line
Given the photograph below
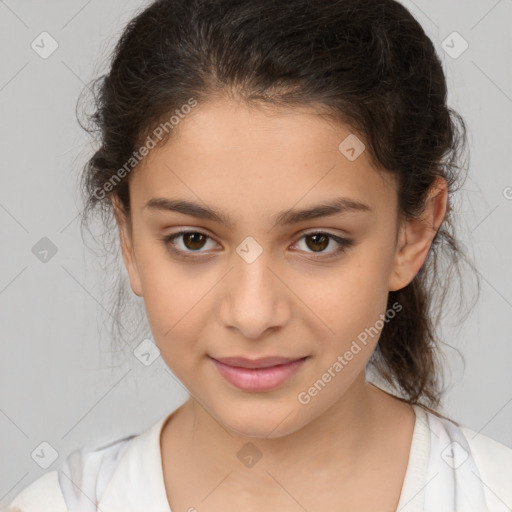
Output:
x=416 y=235
x=126 y=242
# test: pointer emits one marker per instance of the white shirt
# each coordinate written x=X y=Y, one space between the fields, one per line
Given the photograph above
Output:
x=450 y=469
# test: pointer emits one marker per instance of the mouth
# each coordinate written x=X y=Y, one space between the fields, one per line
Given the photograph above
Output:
x=257 y=374
x=262 y=362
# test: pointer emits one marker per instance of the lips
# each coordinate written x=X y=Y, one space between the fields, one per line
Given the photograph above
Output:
x=257 y=375
x=262 y=362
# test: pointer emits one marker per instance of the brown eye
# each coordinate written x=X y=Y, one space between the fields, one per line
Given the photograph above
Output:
x=319 y=241
x=185 y=243
x=194 y=241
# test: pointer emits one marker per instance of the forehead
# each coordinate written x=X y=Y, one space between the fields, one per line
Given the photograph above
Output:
x=233 y=157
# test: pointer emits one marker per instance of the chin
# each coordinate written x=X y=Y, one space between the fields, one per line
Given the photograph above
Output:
x=270 y=423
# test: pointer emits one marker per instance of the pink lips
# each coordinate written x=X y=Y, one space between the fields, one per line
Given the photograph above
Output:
x=257 y=374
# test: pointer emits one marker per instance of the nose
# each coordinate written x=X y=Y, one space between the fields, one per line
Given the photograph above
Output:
x=254 y=298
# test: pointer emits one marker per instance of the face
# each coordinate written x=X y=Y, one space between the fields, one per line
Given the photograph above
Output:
x=256 y=279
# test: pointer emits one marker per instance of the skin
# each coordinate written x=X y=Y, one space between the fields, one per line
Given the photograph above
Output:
x=351 y=439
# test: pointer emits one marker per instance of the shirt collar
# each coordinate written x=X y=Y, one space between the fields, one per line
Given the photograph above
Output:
x=141 y=466
x=413 y=489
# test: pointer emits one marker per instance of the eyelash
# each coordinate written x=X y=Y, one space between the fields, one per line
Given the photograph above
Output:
x=344 y=243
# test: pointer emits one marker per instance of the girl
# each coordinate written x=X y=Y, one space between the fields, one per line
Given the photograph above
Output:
x=281 y=176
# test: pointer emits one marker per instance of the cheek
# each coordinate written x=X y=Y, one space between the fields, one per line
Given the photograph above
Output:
x=172 y=298
x=175 y=319
x=351 y=300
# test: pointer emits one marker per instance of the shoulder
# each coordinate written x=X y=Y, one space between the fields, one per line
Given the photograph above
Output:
x=41 y=495
x=111 y=475
x=477 y=461
x=75 y=484
x=494 y=462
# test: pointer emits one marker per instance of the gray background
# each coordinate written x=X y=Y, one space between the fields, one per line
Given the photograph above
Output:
x=59 y=384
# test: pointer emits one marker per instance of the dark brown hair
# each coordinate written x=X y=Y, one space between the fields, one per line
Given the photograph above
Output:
x=365 y=63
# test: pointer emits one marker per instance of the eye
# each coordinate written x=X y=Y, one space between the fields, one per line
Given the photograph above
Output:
x=191 y=241
x=319 y=240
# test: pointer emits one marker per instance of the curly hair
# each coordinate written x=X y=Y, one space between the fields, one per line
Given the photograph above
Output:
x=365 y=63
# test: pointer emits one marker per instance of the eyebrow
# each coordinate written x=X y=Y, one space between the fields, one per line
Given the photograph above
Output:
x=337 y=206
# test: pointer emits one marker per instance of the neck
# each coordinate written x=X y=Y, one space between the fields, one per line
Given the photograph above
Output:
x=356 y=452
x=347 y=428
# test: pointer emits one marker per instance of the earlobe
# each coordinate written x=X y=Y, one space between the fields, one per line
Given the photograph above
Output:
x=126 y=243
x=416 y=235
